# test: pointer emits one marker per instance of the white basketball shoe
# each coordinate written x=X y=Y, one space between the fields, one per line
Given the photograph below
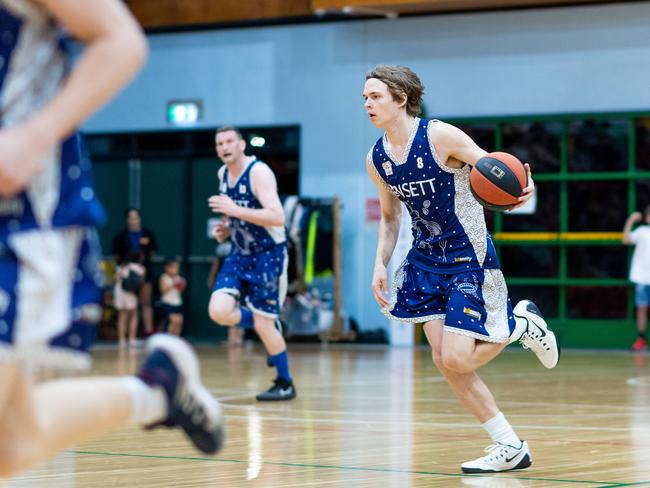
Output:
x=538 y=336
x=500 y=457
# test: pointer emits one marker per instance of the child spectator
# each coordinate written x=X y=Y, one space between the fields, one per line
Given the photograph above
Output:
x=171 y=285
x=130 y=275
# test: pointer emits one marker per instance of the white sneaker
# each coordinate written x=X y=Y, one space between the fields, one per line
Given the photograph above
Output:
x=538 y=336
x=500 y=457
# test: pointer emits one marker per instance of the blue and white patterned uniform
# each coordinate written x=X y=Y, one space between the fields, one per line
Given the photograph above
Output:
x=50 y=284
x=255 y=271
x=452 y=271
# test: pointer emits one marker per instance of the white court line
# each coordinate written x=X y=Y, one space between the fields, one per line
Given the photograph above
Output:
x=247 y=394
x=438 y=425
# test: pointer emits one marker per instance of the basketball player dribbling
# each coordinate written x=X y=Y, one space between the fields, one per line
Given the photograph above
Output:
x=50 y=285
x=450 y=280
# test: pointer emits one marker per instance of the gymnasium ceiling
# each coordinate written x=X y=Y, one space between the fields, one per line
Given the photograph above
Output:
x=187 y=14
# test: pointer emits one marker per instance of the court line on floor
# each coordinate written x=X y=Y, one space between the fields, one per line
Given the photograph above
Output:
x=349 y=468
x=249 y=394
x=637 y=483
x=438 y=425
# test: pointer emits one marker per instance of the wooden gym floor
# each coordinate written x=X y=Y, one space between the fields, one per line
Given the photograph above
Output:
x=379 y=417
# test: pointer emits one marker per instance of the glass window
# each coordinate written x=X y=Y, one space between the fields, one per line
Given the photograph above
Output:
x=481 y=134
x=597 y=206
x=642 y=194
x=643 y=144
x=535 y=143
x=530 y=261
x=545 y=297
x=598 y=145
x=547 y=216
x=597 y=302
x=597 y=261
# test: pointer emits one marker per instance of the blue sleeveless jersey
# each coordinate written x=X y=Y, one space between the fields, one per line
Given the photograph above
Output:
x=248 y=238
x=33 y=64
x=448 y=224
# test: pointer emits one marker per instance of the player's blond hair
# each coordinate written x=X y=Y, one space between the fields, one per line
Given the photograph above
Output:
x=401 y=82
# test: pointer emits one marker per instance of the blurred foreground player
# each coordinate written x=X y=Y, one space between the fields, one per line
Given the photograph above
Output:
x=450 y=280
x=50 y=286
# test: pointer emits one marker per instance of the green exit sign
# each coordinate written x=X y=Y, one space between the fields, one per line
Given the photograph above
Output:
x=184 y=112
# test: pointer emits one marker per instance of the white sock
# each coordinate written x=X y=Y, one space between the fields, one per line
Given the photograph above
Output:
x=148 y=404
x=521 y=325
x=501 y=431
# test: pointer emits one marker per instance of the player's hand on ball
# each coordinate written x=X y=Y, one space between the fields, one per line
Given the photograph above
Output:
x=21 y=157
x=223 y=204
x=526 y=193
x=380 y=285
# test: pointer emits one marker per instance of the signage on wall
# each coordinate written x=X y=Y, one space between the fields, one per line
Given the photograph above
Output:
x=184 y=112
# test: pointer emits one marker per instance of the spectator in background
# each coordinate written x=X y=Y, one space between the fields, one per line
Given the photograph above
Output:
x=137 y=237
x=640 y=271
x=129 y=278
x=235 y=334
x=171 y=286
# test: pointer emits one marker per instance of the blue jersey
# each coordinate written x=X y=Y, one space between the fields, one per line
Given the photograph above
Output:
x=248 y=238
x=448 y=224
x=33 y=65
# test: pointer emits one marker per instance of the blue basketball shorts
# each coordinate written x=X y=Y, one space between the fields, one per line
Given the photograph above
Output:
x=50 y=296
x=258 y=280
x=471 y=303
x=641 y=295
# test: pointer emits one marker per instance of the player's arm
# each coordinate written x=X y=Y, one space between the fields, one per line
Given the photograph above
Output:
x=627 y=229
x=389 y=225
x=165 y=283
x=265 y=189
x=221 y=230
x=115 y=50
x=454 y=143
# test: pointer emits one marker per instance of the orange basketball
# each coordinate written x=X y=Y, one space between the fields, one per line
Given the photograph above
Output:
x=497 y=181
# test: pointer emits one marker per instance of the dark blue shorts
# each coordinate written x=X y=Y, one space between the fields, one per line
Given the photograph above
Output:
x=472 y=303
x=258 y=280
x=50 y=296
x=171 y=309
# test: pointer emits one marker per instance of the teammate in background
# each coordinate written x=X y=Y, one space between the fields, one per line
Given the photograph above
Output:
x=252 y=282
x=171 y=285
x=50 y=284
x=640 y=271
x=450 y=280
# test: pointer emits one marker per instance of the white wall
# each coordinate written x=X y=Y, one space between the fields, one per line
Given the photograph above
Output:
x=579 y=59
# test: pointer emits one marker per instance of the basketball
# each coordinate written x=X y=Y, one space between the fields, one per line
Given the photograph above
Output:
x=180 y=283
x=497 y=181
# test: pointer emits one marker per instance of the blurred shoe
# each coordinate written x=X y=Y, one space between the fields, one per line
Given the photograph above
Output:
x=538 y=336
x=640 y=344
x=280 y=391
x=499 y=458
x=172 y=364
